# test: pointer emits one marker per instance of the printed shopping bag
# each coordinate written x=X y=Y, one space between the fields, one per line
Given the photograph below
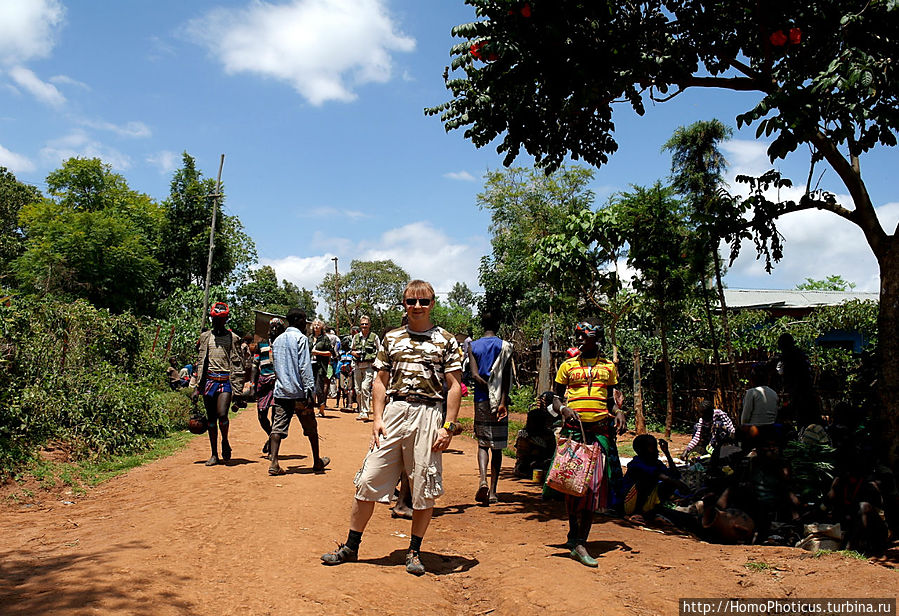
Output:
x=573 y=466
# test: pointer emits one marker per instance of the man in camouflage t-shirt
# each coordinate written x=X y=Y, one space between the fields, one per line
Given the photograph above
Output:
x=408 y=431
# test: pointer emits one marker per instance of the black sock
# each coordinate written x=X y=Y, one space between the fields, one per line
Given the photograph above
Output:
x=415 y=544
x=353 y=540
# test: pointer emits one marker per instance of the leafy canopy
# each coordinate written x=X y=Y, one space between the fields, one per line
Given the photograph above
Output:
x=94 y=238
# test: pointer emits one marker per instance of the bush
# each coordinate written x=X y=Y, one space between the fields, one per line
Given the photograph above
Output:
x=78 y=375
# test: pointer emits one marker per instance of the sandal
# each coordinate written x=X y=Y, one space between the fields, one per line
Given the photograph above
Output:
x=274 y=472
x=319 y=467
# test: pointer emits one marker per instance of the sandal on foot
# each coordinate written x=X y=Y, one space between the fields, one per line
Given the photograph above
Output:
x=226 y=451
x=585 y=559
x=212 y=461
x=341 y=555
x=481 y=495
x=413 y=563
x=403 y=515
x=274 y=472
x=319 y=467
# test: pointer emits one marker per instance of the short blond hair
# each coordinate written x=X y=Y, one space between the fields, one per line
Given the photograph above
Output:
x=417 y=286
x=318 y=322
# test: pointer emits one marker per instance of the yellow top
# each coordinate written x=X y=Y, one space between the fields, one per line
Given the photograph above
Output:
x=587 y=380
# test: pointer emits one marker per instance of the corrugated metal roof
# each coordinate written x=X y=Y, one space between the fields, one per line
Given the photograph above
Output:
x=775 y=298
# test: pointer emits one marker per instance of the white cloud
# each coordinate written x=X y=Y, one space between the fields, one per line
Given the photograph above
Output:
x=17 y=163
x=28 y=29
x=327 y=212
x=41 y=90
x=749 y=156
x=128 y=129
x=463 y=176
x=68 y=81
x=419 y=248
x=80 y=144
x=322 y=48
x=817 y=244
x=166 y=160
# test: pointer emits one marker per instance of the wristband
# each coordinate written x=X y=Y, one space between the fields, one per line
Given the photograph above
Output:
x=453 y=428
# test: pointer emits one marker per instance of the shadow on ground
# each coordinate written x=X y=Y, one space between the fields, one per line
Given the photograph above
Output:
x=34 y=583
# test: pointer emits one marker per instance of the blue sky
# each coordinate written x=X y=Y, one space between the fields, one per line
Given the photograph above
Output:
x=317 y=106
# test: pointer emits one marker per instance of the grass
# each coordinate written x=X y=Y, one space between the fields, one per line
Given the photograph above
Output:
x=757 y=565
x=77 y=475
x=843 y=553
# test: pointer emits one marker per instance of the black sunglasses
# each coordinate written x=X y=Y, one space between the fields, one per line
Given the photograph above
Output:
x=422 y=301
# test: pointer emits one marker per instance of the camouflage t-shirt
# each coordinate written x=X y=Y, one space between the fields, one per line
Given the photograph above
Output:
x=418 y=361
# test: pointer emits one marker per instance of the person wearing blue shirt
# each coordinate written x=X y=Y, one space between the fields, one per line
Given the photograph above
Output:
x=294 y=388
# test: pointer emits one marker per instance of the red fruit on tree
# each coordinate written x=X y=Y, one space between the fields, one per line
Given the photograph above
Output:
x=795 y=36
x=778 y=39
x=476 y=49
x=526 y=10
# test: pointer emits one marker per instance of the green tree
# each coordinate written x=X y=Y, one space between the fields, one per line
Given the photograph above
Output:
x=454 y=318
x=697 y=173
x=14 y=195
x=94 y=238
x=260 y=291
x=526 y=206
x=374 y=288
x=184 y=249
x=822 y=74
x=461 y=295
x=652 y=222
x=833 y=282
x=582 y=260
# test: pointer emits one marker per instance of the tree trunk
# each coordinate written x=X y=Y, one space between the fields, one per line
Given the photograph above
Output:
x=888 y=351
x=719 y=379
x=725 y=324
x=669 y=384
x=639 y=417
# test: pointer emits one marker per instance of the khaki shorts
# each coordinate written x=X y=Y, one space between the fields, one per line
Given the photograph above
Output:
x=411 y=433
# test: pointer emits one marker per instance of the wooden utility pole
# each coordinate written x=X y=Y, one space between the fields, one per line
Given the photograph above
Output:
x=336 y=297
x=215 y=206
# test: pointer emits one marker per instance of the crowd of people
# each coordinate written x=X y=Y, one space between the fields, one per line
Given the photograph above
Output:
x=733 y=483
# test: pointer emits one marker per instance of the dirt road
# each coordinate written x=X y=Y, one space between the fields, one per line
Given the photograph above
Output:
x=176 y=537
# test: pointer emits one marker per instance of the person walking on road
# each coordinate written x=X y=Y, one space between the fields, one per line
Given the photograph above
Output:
x=294 y=390
x=364 y=348
x=220 y=373
x=491 y=371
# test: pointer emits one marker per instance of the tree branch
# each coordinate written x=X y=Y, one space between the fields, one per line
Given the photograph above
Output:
x=864 y=215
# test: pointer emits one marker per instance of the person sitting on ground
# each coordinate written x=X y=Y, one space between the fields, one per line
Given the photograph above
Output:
x=858 y=507
x=172 y=373
x=264 y=378
x=535 y=443
x=764 y=487
x=760 y=402
x=721 y=522
x=713 y=430
x=648 y=483
x=185 y=374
